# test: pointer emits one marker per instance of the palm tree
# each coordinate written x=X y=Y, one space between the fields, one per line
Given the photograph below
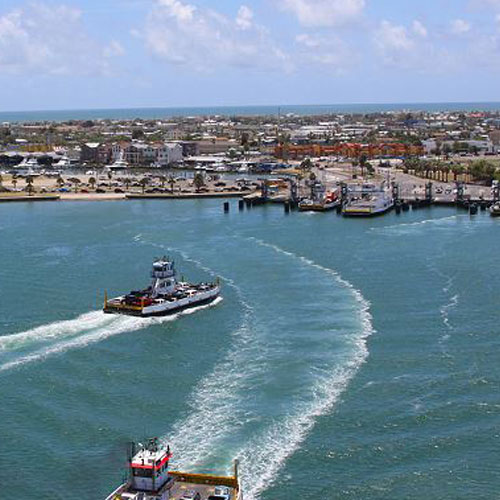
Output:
x=14 y=181
x=198 y=181
x=171 y=182
x=75 y=181
x=60 y=182
x=363 y=160
x=162 y=180
x=127 y=182
x=92 y=182
x=306 y=165
x=29 y=184
x=144 y=182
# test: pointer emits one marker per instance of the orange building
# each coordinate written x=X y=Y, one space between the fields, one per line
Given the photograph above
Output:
x=347 y=149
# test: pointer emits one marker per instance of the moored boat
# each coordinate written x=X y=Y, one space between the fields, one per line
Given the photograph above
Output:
x=368 y=202
x=149 y=478
x=495 y=210
x=320 y=200
x=165 y=295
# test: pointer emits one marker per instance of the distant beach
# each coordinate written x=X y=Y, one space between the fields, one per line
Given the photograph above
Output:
x=301 y=109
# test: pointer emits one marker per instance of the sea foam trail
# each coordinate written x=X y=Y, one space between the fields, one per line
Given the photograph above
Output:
x=214 y=403
x=266 y=454
x=119 y=324
x=56 y=330
x=417 y=224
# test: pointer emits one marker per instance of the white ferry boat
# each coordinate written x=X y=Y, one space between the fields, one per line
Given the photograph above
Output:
x=320 y=199
x=165 y=295
x=367 y=202
x=149 y=478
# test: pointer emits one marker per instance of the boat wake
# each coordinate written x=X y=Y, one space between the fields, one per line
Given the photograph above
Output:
x=87 y=329
x=407 y=227
x=445 y=311
x=224 y=407
x=264 y=456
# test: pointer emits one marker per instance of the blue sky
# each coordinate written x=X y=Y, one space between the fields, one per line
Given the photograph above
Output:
x=125 y=53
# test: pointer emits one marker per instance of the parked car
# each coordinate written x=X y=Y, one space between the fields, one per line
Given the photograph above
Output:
x=222 y=492
x=191 y=495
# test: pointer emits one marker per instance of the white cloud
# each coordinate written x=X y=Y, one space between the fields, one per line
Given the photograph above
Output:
x=324 y=12
x=50 y=39
x=419 y=29
x=182 y=33
x=459 y=27
x=327 y=51
x=244 y=19
x=391 y=38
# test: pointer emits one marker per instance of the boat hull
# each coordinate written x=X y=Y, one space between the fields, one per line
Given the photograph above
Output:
x=366 y=213
x=165 y=309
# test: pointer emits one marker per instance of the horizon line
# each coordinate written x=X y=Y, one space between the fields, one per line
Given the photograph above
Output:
x=277 y=106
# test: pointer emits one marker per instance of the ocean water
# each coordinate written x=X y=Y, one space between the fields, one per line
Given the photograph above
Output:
x=300 y=109
x=347 y=358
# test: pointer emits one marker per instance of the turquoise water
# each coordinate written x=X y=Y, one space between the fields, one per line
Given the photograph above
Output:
x=347 y=359
x=300 y=109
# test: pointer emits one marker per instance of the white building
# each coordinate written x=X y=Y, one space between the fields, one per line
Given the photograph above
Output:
x=170 y=152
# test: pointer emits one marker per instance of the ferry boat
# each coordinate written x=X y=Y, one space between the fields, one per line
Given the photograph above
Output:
x=368 y=202
x=320 y=200
x=149 y=478
x=165 y=295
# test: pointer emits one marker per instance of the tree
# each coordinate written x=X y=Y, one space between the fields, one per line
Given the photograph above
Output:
x=14 y=182
x=75 y=181
x=127 y=182
x=92 y=182
x=144 y=182
x=363 y=161
x=198 y=181
x=306 y=165
x=60 y=182
x=137 y=133
x=29 y=184
x=171 y=182
x=162 y=180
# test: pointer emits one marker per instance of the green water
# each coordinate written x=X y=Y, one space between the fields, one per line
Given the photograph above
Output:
x=347 y=359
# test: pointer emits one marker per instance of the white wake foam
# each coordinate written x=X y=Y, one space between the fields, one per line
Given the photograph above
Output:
x=265 y=455
x=56 y=330
x=409 y=225
x=104 y=330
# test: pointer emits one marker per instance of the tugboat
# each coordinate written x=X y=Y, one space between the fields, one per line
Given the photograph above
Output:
x=150 y=479
x=165 y=295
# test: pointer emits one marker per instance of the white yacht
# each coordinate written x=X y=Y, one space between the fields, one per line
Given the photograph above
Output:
x=63 y=163
x=119 y=164
x=28 y=167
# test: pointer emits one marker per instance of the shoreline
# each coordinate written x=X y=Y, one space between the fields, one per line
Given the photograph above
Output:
x=116 y=196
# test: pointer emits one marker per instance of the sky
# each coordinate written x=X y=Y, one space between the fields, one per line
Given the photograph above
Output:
x=75 y=54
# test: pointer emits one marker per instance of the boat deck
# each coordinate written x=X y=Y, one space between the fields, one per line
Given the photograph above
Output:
x=205 y=490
